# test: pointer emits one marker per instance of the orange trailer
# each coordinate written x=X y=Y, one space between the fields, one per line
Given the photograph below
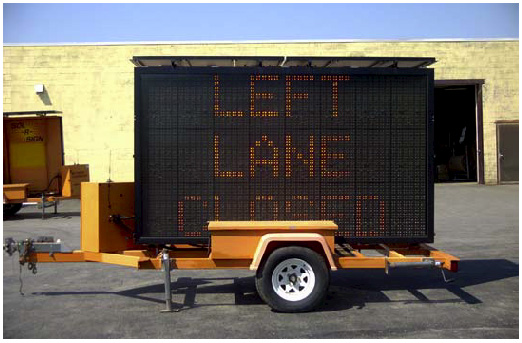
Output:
x=185 y=105
x=33 y=161
x=292 y=259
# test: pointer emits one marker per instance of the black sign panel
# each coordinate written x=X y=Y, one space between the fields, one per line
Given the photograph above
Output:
x=348 y=145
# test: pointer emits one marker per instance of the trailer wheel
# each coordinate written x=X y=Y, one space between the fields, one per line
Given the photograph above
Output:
x=293 y=279
x=11 y=209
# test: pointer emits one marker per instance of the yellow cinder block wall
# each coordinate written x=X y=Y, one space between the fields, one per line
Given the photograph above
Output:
x=93 y=85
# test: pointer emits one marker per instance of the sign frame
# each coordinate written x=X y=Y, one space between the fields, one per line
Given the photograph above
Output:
x=139 y=234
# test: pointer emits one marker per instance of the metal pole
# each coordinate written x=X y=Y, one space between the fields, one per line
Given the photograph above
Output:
x=55 y=206
x=165 y=258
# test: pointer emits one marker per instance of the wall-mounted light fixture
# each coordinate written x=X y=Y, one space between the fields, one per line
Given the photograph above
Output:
x=38 y=88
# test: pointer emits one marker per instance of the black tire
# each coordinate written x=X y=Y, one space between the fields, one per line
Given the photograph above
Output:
x=265 y=286
x=11 y=209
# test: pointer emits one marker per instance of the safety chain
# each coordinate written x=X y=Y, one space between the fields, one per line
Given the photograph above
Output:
x=25 y=249
x=24 y=257
x=21 y=282
x=32 y=266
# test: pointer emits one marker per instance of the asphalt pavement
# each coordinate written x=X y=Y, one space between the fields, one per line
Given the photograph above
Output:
x=479 y=224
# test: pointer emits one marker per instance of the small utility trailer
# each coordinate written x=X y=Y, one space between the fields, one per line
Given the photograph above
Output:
x=292 y=259
x=291 y=167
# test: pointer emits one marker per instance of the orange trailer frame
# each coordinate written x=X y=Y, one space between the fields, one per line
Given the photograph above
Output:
x=107 y=237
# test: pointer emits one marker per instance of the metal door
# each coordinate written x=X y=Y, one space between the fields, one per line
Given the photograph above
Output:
x=507 y=143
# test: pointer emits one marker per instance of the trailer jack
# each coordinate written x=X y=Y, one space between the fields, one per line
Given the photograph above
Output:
x=165 y=259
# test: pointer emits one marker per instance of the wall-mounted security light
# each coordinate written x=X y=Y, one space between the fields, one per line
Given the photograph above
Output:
x=38 y=89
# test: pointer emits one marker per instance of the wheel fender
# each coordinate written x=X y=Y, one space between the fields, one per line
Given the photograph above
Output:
x=290 y=237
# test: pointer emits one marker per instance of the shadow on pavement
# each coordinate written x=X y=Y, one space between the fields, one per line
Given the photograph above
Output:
x=38 y=215
x=348 y=288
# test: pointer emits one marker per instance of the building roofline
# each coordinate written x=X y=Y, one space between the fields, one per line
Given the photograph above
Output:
x=297 y=41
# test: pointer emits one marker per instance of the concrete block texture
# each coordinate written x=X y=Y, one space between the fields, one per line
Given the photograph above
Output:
x=93 y=85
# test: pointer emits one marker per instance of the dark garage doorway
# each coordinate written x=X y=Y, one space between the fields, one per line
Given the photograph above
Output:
x=458 y=119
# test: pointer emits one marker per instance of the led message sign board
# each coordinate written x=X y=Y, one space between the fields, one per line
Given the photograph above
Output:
x=342 y=144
